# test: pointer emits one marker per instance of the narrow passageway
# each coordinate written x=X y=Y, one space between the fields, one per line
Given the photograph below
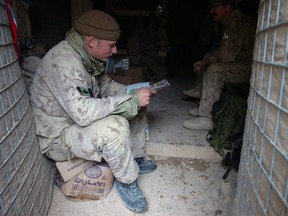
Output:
x=188 y=180
x=167 y=112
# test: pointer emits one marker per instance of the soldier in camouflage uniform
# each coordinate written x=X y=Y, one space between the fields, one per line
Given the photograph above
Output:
x=81 y=113
x=231 y=62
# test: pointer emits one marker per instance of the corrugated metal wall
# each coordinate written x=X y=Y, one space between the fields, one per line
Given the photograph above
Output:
x=26 y=176
x=262 y=180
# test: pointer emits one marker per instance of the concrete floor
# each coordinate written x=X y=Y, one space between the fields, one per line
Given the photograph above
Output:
x=188 y=180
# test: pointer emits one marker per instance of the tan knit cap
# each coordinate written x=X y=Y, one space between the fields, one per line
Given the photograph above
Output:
x=98 y=24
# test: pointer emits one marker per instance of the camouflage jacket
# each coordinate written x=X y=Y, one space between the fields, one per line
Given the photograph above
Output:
x=237 y=42
x=64 y=93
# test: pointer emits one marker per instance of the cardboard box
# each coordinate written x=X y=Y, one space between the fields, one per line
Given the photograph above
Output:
x=133 y=72
x=128 y=76
x=93 y=183
x=69 y=169
x=124 y=79
x=121 y=79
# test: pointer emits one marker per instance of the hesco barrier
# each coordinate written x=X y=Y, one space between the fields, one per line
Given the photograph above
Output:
x=26 y=177
x=262 y=187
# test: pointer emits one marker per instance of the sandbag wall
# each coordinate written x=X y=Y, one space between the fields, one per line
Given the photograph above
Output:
x=262 y=187
x=26 y=177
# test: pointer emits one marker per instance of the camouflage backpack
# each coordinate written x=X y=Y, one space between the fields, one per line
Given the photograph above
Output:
x=229 y=114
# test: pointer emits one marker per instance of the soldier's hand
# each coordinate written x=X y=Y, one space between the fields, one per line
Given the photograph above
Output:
x=145 y=94
x=198 y=66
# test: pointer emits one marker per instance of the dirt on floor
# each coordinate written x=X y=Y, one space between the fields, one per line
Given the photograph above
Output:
x=188 y=180
x=179 y=187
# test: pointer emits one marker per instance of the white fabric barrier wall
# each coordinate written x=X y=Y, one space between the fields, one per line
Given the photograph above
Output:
x=262 y=187
x=26 y=176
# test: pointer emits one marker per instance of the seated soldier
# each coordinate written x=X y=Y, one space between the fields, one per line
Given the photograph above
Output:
x=230 y=62
x=81 y=113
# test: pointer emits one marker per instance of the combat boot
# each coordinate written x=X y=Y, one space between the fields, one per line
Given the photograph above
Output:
x=194 y=112
x=146 y=166
x=132 y=196
x=194 y=93
x=200 y=123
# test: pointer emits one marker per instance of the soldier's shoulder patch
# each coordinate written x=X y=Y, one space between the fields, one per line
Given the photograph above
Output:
x=85 y=91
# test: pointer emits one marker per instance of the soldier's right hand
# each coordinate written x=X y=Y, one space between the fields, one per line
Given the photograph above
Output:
x=145 y=94
x=198 y=66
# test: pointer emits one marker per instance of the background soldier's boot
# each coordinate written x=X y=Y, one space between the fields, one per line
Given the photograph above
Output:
x=194 y=93
x=194 y=112
x=200 y=123
x=132 y=196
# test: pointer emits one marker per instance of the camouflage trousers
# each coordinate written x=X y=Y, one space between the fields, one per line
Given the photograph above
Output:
x=113 y=138
x=214 y=79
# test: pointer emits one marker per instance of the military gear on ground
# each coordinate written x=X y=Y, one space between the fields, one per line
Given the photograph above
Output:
x=229 y=114
x=232 y=160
